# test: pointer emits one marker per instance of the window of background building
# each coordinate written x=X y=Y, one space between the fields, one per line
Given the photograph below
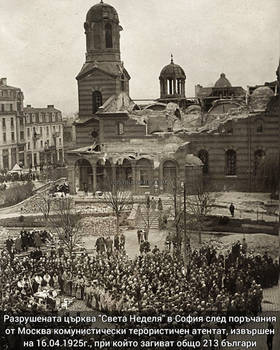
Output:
x=60 y=141
x=28 y=145
x=41 y=131
x=47 y=129
x=11 y=107
x=43 y=117
x=21 y=121
x=12 y=136
x=5 y=158
x=28 y=132
x=41 y=143
x=2 y=107
x=37 y=117
x=12 y=123
x=22 y=135
x=4 y=123
x=53 y=128
x=230 y=162
x=4 y=137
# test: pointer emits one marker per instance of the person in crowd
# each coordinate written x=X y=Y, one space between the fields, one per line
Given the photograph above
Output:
x=122 y=241
x=159 y=205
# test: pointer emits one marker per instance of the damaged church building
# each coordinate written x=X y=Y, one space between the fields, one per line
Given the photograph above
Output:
x=220 y=135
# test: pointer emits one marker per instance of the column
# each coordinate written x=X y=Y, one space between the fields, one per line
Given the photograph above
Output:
x=134 y=179
x=1 y=159
x=71 y=179
x=114 y=175
x=17 y=155
x=10 y=158
x=156 y=181
x=93 y=178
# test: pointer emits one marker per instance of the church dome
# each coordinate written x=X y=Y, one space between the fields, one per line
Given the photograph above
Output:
x=172 y=70
x=260 y=98
x=262 y=91
x=102 y=11
x=222 y=82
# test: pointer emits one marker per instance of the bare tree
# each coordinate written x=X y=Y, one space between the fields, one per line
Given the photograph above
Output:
x=199 y=205
x=118 y=197
x=62 y=219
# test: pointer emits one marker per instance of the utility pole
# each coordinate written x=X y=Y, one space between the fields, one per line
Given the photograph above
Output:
x=278 y=79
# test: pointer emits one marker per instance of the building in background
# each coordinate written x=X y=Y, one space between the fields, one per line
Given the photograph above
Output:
x=12 y=126
x=222 y=90
x=44 y=136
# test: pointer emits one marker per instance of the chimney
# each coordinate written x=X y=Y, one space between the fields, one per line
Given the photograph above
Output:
x=28 y=106
x=50 y=106
x=3 y=81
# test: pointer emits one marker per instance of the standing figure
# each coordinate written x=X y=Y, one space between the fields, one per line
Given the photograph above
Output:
x=159 y=205
x=231 y=209
x=122 y=241
x=117 y=242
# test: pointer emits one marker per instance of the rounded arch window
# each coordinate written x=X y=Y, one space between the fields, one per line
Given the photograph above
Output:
x=259 y=126
x=96 y=101
x=204 y=157
x=258 y=157
x=230 y=162
x=108 y=36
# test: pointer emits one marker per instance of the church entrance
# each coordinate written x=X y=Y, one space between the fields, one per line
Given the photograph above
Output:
x=83 y=172
x=124 y=175
x=103 y=176
x=169 y=176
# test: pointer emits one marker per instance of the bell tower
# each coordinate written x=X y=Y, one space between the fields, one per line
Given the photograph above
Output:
x=103 y=74
x=102 y=31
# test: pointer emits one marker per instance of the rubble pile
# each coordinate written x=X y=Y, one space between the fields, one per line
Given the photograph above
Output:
x=98 y=226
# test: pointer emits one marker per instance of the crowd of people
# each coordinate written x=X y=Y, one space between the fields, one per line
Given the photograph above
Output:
x=155 y=281
x=25 y=240
x=15 y=177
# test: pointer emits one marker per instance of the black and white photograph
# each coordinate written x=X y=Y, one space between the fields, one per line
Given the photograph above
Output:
x=139 y=174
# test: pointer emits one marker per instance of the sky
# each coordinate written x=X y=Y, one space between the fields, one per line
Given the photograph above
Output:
x=42 y=44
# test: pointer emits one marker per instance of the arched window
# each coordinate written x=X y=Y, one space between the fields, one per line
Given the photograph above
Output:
x=230 y=162
x=122 y=82
x=258 y=157
x=229 y=128
x=170 y=86
x=96 y=101
x=203 y=156
x=259 y=127
x=108 y=36
x=120 y=128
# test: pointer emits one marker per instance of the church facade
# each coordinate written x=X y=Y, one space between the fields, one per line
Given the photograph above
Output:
x=220 y=135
